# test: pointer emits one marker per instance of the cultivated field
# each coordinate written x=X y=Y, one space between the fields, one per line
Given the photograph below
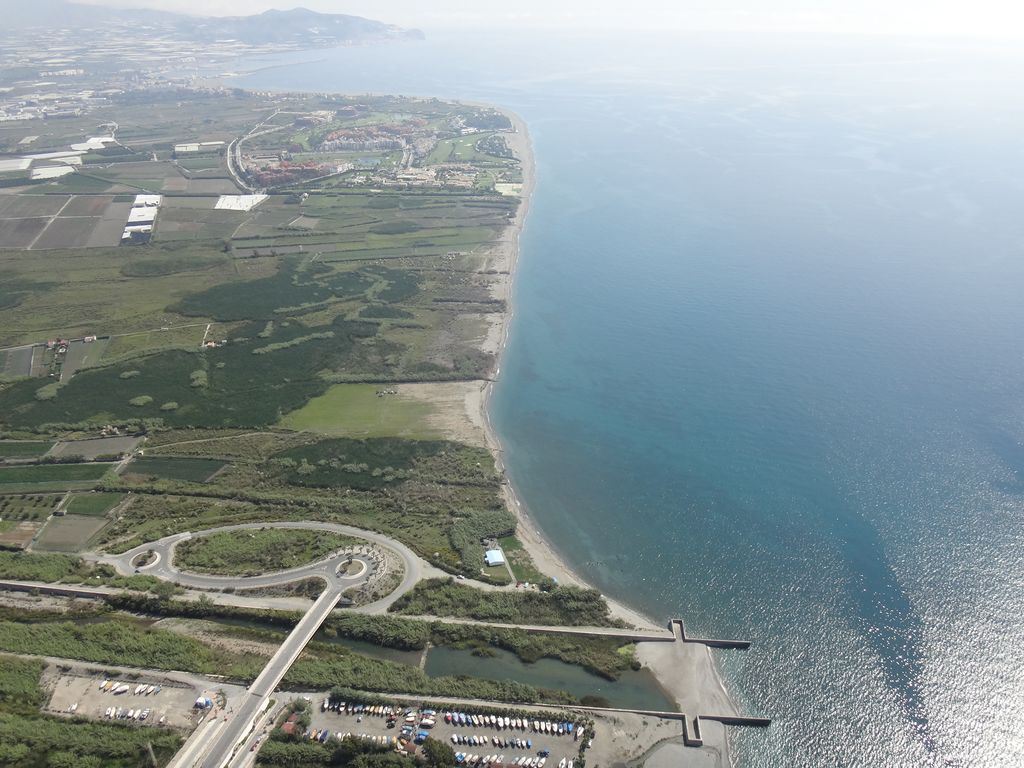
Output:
x=50 y=476
x=189 y=470
x=94 y=503
x=68 y=533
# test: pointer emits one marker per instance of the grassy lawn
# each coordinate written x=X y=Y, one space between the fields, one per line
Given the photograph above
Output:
x=94 y=504
x=190 y=470
x=23 y=449
x=523 y=567
x=460 y=150
x=252 y=552
x=355 y=410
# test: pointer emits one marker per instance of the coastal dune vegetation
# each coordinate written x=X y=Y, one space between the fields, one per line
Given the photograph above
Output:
x=559 y=605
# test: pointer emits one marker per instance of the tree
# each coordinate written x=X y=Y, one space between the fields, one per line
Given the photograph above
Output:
x=438 y=754
x=164 y=590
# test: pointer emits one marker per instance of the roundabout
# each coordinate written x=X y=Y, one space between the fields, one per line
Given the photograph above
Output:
x=340 y=571
x=350 y=567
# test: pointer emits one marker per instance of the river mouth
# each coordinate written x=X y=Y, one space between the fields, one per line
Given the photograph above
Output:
x=632 y=690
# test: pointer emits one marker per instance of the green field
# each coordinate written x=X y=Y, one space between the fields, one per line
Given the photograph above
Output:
x=23 y=449
x=94 y=504
x=462 y=150
x=355 y=410
x=190 y=470
x=519 y=560
x=51 y=475
x=252 y=552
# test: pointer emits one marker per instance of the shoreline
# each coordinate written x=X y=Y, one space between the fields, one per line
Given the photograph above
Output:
x=687 y=672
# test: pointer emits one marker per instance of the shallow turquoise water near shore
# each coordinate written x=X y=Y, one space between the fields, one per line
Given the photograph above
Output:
x=766 y=369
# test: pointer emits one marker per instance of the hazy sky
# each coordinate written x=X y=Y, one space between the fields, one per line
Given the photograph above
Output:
x=998 y=18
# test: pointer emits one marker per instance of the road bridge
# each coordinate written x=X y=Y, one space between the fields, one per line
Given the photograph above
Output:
x=256 y=699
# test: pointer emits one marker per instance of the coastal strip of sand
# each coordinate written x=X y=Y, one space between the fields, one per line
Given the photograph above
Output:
x=686 y=671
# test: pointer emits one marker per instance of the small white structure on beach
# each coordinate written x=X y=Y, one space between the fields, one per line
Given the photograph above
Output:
x=494 y=557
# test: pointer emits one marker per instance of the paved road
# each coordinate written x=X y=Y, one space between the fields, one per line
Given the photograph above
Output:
x=326 y=569
x=256 y=698
x=296 y=604
x=215 y=744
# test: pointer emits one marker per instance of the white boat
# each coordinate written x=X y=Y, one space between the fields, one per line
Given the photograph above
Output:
x=561 y=763
x=103 y=685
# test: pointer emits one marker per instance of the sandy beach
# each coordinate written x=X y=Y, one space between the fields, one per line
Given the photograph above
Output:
x=685 y=670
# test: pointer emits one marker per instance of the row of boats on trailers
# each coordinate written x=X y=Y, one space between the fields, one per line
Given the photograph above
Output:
x=464 y=758
x=427 y=718
x=112 y=686
x=473 y=740
x=513 y=723
x=322 y=735
x=123 y=713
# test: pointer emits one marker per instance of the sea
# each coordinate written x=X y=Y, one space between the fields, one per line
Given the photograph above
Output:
x=766 y=365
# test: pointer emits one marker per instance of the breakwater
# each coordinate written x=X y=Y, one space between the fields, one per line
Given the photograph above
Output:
x=678 y=630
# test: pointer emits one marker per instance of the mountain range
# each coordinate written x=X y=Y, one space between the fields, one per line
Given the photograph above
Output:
x=297 y=26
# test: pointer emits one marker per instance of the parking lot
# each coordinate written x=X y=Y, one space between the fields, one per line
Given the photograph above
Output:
x=172 y=705
x=509 y=743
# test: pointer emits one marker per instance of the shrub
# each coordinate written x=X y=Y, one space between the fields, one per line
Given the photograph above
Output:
x=47 y=392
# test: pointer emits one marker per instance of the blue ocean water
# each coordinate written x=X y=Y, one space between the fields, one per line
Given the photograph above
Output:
x=766 y=369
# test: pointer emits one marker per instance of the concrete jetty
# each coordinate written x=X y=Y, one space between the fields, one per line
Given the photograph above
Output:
x=677 y=624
